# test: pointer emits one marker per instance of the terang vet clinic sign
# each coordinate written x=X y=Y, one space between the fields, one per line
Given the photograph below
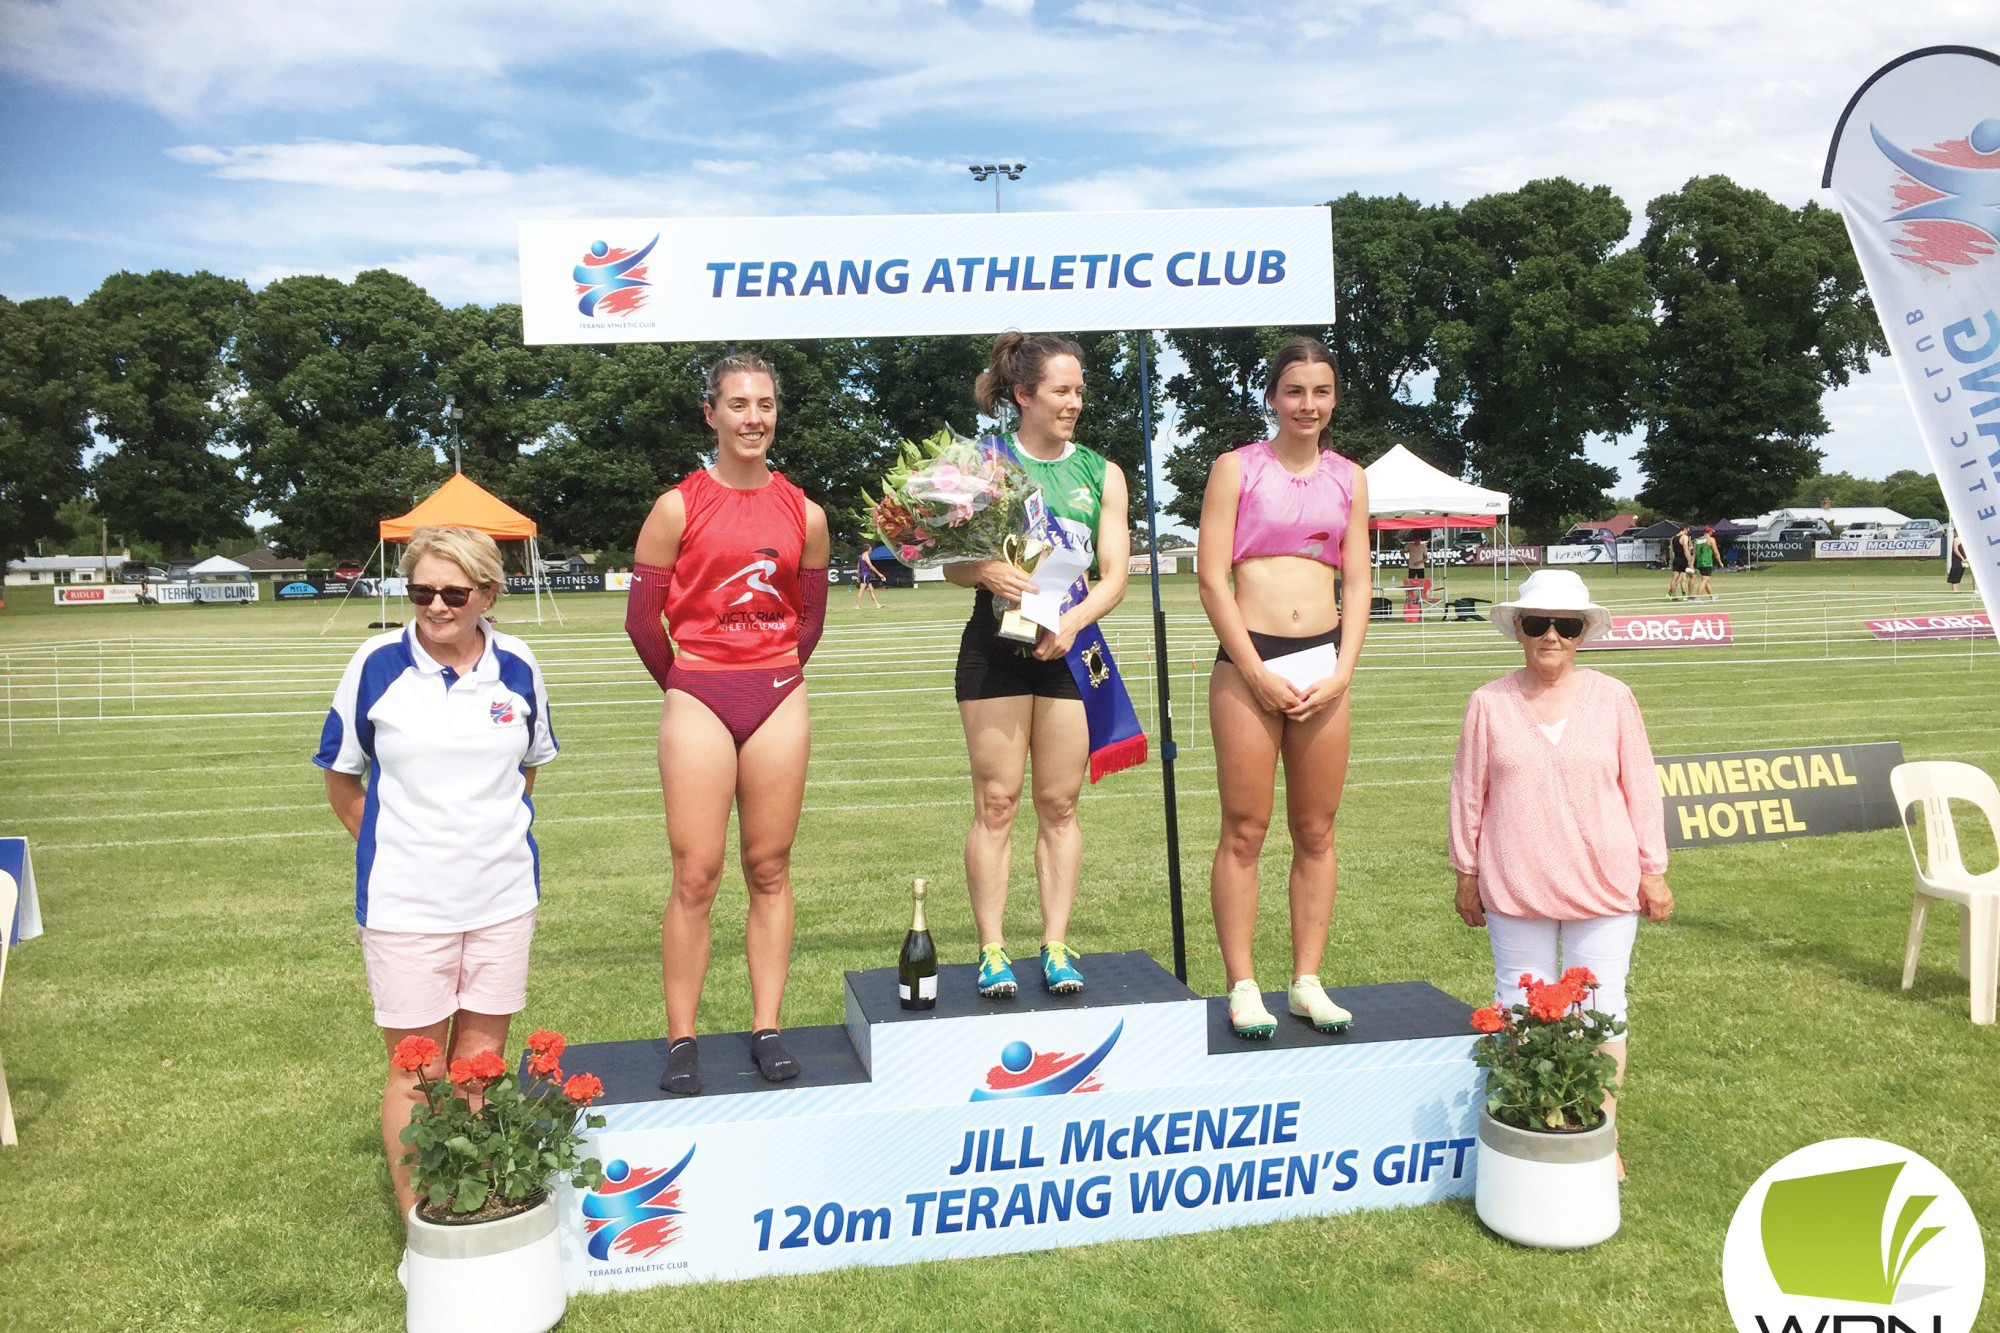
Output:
x=1759 y=795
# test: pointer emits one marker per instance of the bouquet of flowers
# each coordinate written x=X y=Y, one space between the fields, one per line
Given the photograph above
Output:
x=471 y=1165
x=1543 y=1066
x=950 y=499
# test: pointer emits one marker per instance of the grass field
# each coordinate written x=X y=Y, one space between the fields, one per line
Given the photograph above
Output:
x=195 y=1072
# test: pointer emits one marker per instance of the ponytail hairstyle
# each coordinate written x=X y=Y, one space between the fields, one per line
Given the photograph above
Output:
x=1017 y=363
x=1303 y=351
x=737 y=363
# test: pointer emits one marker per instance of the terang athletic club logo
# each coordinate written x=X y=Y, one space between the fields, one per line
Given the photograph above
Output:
x=1947 y=198
x=502 y=712
x=636 y=1211
x=610 y=281
x=1022 y=1072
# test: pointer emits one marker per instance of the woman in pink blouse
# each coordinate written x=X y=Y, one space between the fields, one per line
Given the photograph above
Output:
x=1557 y=832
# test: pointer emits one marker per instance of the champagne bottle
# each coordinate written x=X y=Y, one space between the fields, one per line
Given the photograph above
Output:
x=916 y=967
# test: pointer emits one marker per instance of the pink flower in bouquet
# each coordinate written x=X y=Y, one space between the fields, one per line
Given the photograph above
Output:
x=909 y=555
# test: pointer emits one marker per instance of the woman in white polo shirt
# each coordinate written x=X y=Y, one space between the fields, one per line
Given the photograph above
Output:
x=449 y=719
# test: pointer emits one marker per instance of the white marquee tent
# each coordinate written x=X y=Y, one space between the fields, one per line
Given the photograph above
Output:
x=1403 y=487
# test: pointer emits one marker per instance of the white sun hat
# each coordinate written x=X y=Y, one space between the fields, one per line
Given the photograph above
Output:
x=1555 y=592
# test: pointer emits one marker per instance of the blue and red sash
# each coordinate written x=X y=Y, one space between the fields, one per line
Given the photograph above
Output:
x=1116 y=740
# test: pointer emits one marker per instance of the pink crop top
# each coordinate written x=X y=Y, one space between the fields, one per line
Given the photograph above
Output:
x=1278 y=513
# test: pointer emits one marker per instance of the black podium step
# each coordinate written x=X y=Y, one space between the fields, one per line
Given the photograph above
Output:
x=1396 y=1011
x=1108 y=979
x=631 y=1069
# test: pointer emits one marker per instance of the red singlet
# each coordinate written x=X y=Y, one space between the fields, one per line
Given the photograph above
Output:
x=734 y=597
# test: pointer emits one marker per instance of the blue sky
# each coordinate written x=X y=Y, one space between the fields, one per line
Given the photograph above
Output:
x=259 y=139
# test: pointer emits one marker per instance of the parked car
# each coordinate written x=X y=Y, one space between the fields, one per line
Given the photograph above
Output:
x=133 y=571
x=1921 y=527
x=349 y=570
x=1866 y=529
x=554 y=562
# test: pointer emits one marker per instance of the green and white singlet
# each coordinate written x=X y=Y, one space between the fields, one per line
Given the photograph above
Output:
x=1073 y=489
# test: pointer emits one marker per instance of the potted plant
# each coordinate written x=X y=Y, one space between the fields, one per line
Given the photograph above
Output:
x=483 y=1152
x=1547 y=1151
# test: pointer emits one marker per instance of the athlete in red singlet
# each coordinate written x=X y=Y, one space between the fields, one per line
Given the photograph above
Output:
x=735 y=556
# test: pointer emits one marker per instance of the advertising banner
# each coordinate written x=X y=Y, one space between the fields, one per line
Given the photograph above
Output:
x=1666 y=631
x=1879 y=548
x=618 y=580
x=558 y=582
x=1970 y=625
x=297 y=590
x=977 y=1129
x=1766 y=553
x=729 y=279
x=96 y=594
x=1758 y=795
x=1915 y=170
x=1598 y=553
x=1505 y=555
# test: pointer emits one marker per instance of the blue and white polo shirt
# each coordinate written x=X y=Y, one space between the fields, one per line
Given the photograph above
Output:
x=445 y=842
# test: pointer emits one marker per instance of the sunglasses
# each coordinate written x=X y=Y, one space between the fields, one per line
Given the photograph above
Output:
x=423 y=594
x=1534 y=627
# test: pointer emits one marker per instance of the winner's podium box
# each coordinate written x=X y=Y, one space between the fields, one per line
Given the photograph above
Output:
x=991 y=1126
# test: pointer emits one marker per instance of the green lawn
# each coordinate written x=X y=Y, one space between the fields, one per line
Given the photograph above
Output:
x=195 y=1072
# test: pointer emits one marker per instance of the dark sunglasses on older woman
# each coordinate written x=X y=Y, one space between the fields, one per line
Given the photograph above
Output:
x=1570 y=627
x=423 y=594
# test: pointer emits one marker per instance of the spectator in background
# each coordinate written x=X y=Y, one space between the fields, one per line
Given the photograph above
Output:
x=866 y=576
x=1956 y=572
x=1707 y=555
x=1417 y=558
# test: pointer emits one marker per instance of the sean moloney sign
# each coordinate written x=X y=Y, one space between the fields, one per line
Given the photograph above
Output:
x=720 y=279
x=1757 y=795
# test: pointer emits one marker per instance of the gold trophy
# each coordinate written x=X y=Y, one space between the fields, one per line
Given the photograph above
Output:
x=1025 y=553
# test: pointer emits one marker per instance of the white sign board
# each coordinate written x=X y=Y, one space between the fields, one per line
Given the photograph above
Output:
x=728 y=279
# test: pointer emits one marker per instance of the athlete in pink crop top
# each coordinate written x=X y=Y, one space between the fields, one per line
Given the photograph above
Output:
x=1284 y=524
x=1279 y=512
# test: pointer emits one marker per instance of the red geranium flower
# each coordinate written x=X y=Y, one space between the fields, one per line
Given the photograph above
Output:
x=543 y=1064
x=1580 y=977
x=1550 y=1002
x=1488 y=1019
x=546 y=1042
x=461 y=1072
x=414 y=1052
x=1527 y=980
x=488 y=1064
x=583 y=1088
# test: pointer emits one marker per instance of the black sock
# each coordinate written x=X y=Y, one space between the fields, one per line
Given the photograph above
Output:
x=774 y=1062
x=683 y=1073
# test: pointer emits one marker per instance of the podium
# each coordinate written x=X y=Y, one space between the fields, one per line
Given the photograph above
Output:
x=994 y=1126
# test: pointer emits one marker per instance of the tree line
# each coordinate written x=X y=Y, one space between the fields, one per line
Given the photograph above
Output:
x=1494 y=339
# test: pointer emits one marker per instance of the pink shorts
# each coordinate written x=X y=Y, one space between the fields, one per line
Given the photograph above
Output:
x=421 y=979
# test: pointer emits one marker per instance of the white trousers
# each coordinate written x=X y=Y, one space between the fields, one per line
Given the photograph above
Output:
x=1543 y=948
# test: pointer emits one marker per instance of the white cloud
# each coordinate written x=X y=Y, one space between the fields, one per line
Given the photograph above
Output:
x=1145 y=18
x=349 y=166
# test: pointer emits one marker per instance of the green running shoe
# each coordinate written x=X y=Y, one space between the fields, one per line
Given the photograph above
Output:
x=1308 y=1000
x=1058 y=974
x=996 y=973
x=1248 y=1018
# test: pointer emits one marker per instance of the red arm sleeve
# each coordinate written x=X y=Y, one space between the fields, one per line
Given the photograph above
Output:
x=812 y=611
x=645 y=606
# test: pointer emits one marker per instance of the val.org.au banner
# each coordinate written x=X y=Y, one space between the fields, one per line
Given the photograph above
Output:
x=1915 y=167
x=723 y=279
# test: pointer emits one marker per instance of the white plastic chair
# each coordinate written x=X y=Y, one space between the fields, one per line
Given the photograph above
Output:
x=1941 y=875
x=10 y=894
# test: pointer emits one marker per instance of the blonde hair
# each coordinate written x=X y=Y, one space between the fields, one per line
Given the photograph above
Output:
x=468 y=548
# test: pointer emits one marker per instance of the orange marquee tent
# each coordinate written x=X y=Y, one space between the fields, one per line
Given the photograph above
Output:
x=462 y=503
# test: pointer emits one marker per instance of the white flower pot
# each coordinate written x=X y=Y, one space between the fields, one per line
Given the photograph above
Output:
x=503 y=1276
x=1558 y=1191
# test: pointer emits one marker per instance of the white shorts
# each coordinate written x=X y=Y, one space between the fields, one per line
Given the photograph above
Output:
x=1543 y=948
x=418 y=979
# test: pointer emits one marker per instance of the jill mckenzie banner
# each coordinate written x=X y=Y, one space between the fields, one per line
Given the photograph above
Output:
x=1915 y=168
x=722 y=279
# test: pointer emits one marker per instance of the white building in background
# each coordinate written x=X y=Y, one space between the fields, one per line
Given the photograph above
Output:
x=1842 y=517
x=48 y=571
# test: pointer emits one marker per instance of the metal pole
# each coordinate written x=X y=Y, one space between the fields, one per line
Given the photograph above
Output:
x=1162 y=670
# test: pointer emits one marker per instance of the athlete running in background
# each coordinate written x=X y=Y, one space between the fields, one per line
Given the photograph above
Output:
x=866 y=576
x=735 y=556
x=1707 y=555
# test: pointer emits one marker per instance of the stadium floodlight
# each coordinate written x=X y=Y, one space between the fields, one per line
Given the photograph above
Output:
x=454 y=414
x=995 y=171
